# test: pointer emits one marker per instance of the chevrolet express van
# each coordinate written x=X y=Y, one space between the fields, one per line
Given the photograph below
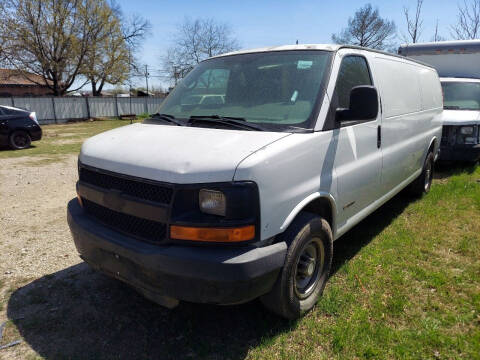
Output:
x=223 y=202
x=457 y=63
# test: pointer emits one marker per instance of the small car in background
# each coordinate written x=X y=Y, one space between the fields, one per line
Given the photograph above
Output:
x=18 y=128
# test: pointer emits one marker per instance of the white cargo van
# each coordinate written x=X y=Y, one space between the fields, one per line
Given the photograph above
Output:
x=458 y=64
x=225 y=201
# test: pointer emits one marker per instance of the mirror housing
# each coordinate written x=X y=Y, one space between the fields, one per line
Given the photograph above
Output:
x=363 y=105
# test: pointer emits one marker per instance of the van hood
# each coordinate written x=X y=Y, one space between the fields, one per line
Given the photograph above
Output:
x=460 y=117
x=174 y=154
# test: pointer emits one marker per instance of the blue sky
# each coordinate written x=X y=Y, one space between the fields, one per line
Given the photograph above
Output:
x=264 y=23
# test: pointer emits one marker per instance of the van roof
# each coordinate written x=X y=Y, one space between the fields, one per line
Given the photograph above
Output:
x=324 y=47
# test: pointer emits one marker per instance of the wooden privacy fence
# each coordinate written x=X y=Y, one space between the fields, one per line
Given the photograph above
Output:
x=61 y=109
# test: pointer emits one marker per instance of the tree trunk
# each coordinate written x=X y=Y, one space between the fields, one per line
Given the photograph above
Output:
x=95 y=91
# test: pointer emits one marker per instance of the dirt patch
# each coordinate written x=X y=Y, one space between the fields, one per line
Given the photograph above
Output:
x=67 y=141
x=35 y=238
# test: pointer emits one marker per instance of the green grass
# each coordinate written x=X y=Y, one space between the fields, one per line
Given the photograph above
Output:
x=411 y=290
x=63 y=139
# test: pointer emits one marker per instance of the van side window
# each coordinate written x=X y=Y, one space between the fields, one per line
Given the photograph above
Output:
x=353 y=72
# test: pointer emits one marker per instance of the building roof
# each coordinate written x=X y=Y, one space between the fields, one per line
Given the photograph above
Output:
x=20 y=78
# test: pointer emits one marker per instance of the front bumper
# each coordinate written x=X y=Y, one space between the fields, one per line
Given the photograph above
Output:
x=218 y=275
x=36 y=133
x=469 y=153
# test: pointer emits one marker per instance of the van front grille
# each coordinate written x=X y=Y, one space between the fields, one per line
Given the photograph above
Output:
x=143 y=229
x=137 y=188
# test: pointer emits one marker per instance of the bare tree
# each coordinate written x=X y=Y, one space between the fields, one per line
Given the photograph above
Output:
x=197 y=40
x=367 y=29
x=468 y=25
x=436 y=36
x=414 y=25
x=48 y=38
x=135 y=28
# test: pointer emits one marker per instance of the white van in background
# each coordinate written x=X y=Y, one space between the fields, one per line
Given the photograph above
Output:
x=225 y=201
x=458 y=63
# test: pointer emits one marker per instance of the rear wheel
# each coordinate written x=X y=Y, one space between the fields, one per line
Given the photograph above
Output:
x=423 y=183
x=20 y=140
x=306 y=269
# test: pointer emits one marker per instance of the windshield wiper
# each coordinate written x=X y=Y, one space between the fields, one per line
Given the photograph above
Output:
x=451 y=107
x=168 y=118
x=226 y=120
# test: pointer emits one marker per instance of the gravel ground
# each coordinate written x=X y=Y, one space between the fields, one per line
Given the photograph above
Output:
x=34 y=235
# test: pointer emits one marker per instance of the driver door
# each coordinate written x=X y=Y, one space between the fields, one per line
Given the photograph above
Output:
x=358 y=161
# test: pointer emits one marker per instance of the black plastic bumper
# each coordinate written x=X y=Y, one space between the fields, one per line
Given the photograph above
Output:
x=36 y=133
x=469 y=153
x=201 y=274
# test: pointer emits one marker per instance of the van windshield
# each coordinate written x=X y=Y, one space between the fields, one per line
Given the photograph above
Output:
x=461 y=95
x=278 y=91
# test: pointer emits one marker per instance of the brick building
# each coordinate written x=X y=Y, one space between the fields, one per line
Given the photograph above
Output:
x=18 y=83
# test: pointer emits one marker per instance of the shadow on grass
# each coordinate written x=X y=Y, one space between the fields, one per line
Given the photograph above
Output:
x=5 y=148
x=359 y=236
x=77 y=313
x=445 y=170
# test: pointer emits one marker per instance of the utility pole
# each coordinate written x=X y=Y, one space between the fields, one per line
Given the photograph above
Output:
x=175 y=74
x=130 y=81
x=146 y=77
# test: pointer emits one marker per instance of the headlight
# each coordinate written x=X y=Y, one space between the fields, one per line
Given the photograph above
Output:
x=212 y=202
x=466 y=130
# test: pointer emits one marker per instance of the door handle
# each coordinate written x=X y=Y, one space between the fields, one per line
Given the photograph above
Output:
x=379 y=137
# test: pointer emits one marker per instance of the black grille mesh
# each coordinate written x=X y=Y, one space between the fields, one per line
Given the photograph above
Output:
x=151 y=192
x=146 y=229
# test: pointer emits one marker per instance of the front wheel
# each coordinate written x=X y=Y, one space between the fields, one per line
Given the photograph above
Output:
x=20 y=140
x=306 y=269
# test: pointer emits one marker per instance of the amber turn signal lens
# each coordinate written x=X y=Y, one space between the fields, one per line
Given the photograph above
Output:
x=79 y=200
x=226 y=235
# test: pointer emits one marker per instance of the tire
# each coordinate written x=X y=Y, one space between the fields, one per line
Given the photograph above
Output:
x=20 y=140
x=423 y=183
x=293 y=294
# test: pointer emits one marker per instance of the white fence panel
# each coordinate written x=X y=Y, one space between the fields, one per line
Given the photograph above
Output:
x=71 y=108
x=154 y=105
x=67 y=108
x=102 y=107
x=43 y=106
x=132 y=105
x=7 y=101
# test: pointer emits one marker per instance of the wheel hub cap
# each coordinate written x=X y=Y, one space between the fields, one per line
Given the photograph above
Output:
x=309 y=265
x=306 y=265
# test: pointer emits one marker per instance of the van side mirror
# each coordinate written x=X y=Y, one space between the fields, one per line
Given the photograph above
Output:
x=363 y=105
